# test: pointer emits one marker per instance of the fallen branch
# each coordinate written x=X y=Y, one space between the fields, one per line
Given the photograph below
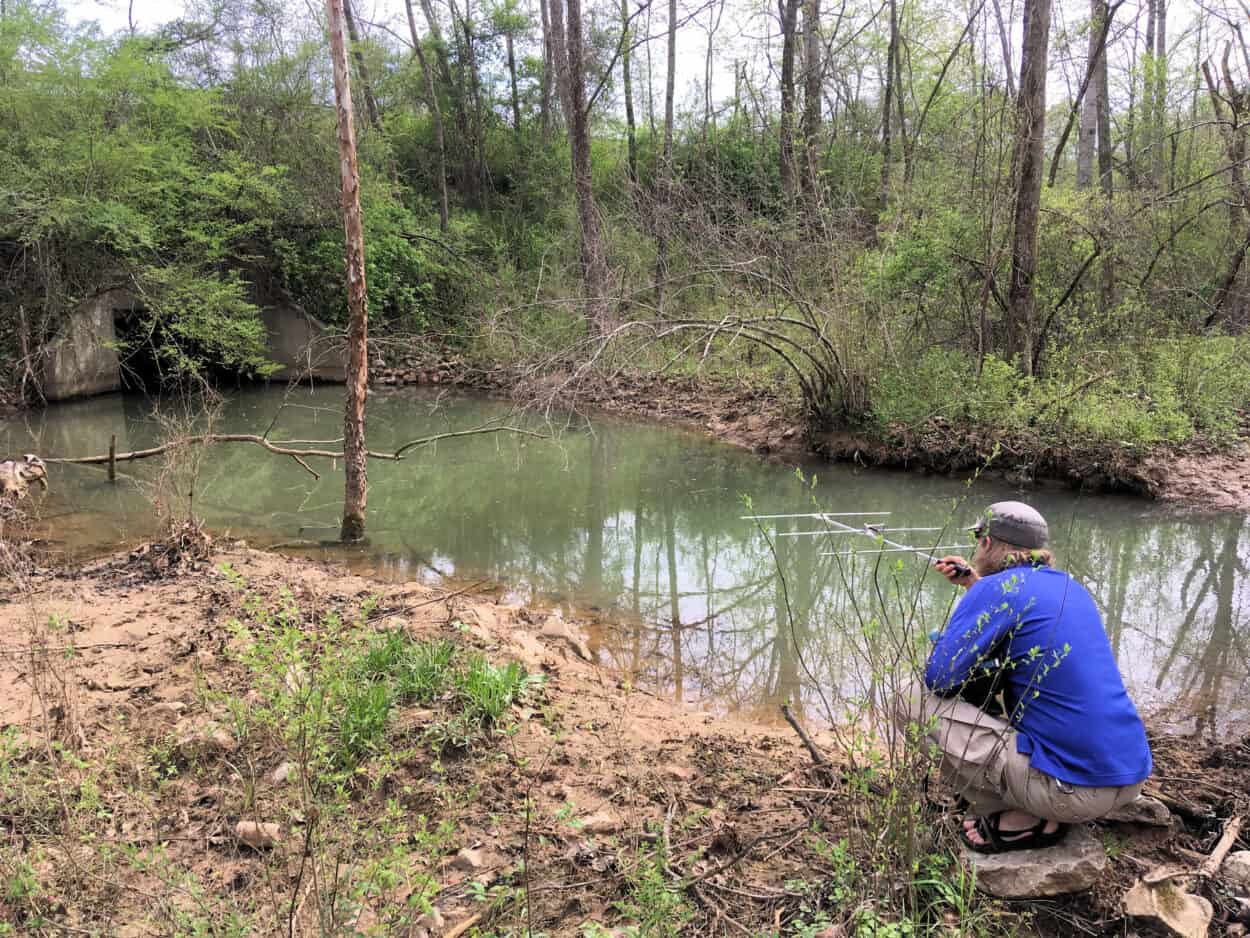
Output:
x=464 y=926
x=1211 y=865
x=297 y=453
x=817 y=756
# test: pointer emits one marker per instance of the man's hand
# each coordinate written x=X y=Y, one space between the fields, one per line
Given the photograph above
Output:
x=956 y=569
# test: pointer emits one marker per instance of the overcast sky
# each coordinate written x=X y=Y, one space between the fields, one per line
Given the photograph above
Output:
x=739 y=34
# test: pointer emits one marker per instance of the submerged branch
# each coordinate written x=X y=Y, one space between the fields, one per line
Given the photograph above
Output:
x=296 y=453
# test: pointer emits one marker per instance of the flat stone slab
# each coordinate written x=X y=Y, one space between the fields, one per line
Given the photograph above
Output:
x=1072 y=865
x=1145 y=810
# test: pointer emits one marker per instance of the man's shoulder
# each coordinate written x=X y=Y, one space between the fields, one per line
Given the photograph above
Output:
x=1037 y=584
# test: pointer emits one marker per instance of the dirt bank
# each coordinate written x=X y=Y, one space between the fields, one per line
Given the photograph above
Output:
x=768 y=422
x=136 y=698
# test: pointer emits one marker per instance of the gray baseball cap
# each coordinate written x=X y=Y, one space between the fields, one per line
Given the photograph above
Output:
x=1013 y=522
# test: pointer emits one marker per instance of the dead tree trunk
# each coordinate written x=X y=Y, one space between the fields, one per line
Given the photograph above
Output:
x=789 y=11
x=567 y=51
x=436 y=117
x=354 y=451
x=811 y=92
x=1028 y=160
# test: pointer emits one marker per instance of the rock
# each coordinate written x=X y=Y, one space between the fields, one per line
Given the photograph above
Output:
x=168 y=709
x=257 y=835
x=556 y=628
x=1236 y=868
x=1145 y=810
x=601 y=822
x=279 y=775
x=469 y=860
x=203 y=741
x=1071 y=866
x=432 y=921
x=1187 y=915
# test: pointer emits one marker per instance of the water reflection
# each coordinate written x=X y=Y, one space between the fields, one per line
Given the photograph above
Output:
x=642 y=526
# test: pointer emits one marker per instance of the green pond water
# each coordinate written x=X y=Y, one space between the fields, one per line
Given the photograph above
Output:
x=636 y=532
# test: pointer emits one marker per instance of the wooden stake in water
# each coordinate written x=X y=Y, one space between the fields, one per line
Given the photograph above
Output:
x=113 y=458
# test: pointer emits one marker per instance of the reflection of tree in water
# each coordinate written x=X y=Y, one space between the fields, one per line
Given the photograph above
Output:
x=1211 y=659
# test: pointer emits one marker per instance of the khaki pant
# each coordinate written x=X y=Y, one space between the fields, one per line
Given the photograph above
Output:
x=979 y=759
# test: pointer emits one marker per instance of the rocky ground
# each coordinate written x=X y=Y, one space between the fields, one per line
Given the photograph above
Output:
x=149 y=786
x=767 y=423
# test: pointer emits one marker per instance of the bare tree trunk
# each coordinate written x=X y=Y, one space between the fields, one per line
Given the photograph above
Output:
x=566 y=47
x=789 y=10
x=478 y=124
x=887 y=107
x=468 y=174
x=1160 y=64
x=811 y=91
x=714 y=15
x=544 y=85
x=665 y=195
x=1028 y=160
x=516 y=97
x=1087 y=136
x=650 y=78
x=904 y=138
x=1004 y=38
x=1232 y=110
x=631 y=132
x=1086 y=104
x=366 y=86
x=436 y=116
x=354 y=451
x=1148 y=92
x=1106 y=181
x=670 y=82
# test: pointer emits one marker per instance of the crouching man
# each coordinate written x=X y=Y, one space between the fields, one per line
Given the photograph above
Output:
x=1022 y=697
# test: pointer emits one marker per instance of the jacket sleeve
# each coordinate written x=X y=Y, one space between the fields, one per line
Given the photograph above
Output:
x=977 y=628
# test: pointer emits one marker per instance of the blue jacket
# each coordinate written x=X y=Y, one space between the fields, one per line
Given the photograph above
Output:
x=1061 y=683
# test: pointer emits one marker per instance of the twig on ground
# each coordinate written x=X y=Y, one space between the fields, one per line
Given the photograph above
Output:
x=1212 y=863
x=464 y=926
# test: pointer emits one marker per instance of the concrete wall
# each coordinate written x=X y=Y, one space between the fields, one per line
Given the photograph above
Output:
x=83 y=360
x=301 y=345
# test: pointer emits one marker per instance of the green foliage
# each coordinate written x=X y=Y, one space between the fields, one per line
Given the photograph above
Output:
x=654 y=903
x=336 y=688
x=1163 y=391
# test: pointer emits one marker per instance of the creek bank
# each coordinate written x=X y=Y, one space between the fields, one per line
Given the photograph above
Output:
x=767 y=422
x=627 y=793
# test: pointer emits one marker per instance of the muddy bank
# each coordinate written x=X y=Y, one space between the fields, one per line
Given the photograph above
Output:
x=139 y=736
x=769 y=423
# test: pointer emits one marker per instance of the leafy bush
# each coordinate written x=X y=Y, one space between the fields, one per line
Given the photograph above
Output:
x=1164 y=391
